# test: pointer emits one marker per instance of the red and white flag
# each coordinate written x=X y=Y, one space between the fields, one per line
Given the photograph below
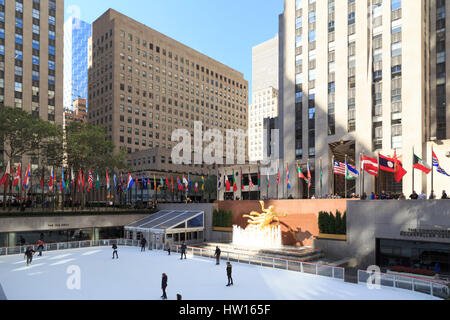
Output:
x=370 y=165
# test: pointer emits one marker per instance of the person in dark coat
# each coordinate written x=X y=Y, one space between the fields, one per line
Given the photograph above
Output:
x=164 y=286
x=217 y=254
x=29 y=253
x=444 y=195
x=229 y=271
x=114 y=246
x=183 y=251
x=143 y=244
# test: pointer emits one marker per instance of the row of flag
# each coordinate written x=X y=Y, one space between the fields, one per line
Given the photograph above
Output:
x=68 y=181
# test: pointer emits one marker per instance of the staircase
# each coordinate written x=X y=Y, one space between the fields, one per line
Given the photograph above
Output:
x=303 y=254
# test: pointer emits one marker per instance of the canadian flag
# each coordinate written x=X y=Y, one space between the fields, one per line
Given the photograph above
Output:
x=370 y=165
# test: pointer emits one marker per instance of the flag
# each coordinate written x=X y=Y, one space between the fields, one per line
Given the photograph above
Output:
x=259 y=181
x=369 y=165
x=186 y=183
x=350 y=173
x=144 y=183
x=278 y=177
x=219 y=182
x=80 y=177
x=339 y=168
x=436 y=164
x=82 y=183
x=115 y=180
x=387 y=164
x=108 y=185
x=180 y=185
x=42 y=178
x=196 y=186
x=190 y=184
x=227 y=184
x=72 y=177
x=203 y=183
x=419 y=164
x=90 y=181
x=67 y=185
x=4 y=180
x=235 y=188
x=288 y=177
x=400 y=172
x=309 y=176
x=26 y=179
x=154 y=183
x=52 y=178
x=97 y=183
x=167 y=183
x=130 y=182
x=268 y=182
x=17 y=178
x=242 y=181
x=171 y=183
x=251 y=182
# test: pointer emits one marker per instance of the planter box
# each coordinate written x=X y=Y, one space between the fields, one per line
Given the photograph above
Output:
x=222 y=229
x=340 y=237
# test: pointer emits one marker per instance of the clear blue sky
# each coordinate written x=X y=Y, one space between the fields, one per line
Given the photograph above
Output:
x=225 y=30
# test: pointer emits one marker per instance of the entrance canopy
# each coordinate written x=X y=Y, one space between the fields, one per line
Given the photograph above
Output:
x=169 y=221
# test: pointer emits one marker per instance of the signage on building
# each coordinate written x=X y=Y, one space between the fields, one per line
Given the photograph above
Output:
x=426 y=233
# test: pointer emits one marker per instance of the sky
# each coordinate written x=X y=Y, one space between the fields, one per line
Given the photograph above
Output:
x=225 y=30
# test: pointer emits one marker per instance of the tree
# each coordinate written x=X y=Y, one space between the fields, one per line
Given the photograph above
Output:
x=24 y=134
x=88 y=146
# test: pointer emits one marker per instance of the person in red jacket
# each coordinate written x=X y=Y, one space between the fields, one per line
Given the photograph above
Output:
x=40 y=247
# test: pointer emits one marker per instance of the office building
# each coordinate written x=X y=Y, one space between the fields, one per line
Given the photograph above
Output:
x=76 y=35
x=363 y=77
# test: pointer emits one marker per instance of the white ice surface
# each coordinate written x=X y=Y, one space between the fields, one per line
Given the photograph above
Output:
x=137 y=276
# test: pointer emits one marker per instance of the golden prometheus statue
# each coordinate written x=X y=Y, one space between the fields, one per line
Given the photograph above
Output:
x=264 y=219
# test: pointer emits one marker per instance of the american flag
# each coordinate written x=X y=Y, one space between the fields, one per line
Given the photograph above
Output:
x=339 y=168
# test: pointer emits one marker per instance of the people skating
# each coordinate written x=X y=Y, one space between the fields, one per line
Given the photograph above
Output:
x=143 y=244
x=229 y=271
x=164 y=286
x=40 y=247
x=183 y=251
x=29 y=253
x=217 y=254
x=114 y=246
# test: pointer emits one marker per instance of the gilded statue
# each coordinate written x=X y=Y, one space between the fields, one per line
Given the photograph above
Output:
x=265 y=218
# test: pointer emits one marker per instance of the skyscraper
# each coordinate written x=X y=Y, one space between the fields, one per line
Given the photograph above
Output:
x=363 y=77
x=76 y=35
x=31 y=57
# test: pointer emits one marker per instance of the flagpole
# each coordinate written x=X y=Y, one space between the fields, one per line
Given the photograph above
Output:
x=363 y=175
x=432 y=170
x=412 y=170
x=334 y=177
x=345 y=196
x=379 y=174
x=321 y=174
x=309 y=170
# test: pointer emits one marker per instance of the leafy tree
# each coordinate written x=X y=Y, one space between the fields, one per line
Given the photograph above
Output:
x=24 y=134
x=88 y=146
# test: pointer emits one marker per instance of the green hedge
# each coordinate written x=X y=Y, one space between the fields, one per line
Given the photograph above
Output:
x=333 y=224
x=222 y=218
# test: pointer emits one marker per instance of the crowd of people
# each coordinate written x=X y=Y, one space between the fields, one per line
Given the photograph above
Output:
x=387 y=196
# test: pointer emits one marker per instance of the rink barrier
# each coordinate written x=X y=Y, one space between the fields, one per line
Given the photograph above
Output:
x=270 y=262
x=431 y=287
x=69 y=245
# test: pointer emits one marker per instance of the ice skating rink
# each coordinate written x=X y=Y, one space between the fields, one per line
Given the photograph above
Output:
x=137 y=276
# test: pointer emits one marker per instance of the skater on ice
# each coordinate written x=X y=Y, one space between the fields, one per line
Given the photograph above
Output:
x=229 y=271
x=40 y=247
x=114 y=246
x=217 y=254
x=183 y=251
x=143 y=244
x=164 y=286
x=29 y=253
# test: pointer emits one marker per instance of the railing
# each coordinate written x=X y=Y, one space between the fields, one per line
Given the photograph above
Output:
x=270 y=262
x=70 y=245
x=431 y=287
